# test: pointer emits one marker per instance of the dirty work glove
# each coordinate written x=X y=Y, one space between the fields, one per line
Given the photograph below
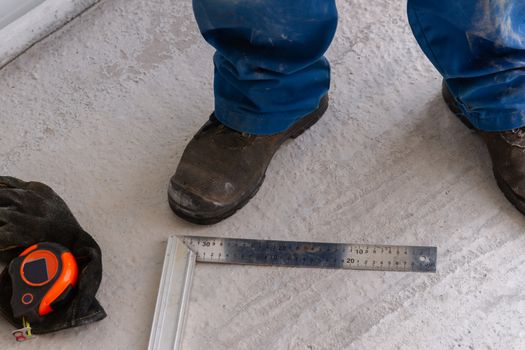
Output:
x=31 y=212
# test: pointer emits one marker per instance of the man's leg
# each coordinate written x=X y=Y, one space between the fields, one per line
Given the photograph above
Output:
x=479 y=48
x=271 y=81
x=269 y=66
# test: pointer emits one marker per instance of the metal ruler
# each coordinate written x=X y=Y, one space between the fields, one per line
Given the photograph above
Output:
x=184 y=252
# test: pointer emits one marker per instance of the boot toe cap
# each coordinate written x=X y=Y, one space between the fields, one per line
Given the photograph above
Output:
x=192 y=202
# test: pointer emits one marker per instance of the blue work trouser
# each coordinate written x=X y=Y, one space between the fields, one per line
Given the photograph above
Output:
x=270 y=70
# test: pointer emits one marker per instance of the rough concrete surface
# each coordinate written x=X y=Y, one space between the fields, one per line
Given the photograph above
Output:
x=102 y=110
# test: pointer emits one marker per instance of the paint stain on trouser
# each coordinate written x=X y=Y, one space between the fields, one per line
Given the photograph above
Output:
x=269 y=66
x=478 y=47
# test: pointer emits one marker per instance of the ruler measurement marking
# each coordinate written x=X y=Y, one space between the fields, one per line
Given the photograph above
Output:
x=311 y=254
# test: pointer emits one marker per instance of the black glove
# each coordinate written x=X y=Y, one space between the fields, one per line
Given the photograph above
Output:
x=31 y=212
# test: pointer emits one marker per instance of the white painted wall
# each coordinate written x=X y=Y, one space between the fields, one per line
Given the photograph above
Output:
x=24 y=22
x=10 y=10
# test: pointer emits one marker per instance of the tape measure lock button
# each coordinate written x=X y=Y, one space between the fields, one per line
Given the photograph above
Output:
x=27 y=298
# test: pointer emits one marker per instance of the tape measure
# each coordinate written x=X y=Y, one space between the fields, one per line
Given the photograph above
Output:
x=43 y=279
x=183 y=252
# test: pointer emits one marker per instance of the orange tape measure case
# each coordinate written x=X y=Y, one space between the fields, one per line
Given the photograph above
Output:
x=43 y=279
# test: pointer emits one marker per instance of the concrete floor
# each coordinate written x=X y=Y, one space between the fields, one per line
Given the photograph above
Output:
x=102 y=110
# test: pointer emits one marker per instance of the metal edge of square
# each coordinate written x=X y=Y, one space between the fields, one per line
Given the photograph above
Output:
x=173 y=296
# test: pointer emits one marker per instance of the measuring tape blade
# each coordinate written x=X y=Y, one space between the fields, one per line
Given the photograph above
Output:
x=312 y=254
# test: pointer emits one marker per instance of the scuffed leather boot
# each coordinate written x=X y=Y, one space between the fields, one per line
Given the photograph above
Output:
x=221 y=169
x=507 y=151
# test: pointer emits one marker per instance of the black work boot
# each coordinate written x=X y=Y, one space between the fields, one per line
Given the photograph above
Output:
x=221 y=169
x=507 y=151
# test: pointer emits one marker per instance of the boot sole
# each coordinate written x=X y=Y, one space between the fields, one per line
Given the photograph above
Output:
x=302 y=125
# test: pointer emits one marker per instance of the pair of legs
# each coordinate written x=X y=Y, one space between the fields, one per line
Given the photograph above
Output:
x=270 y=71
